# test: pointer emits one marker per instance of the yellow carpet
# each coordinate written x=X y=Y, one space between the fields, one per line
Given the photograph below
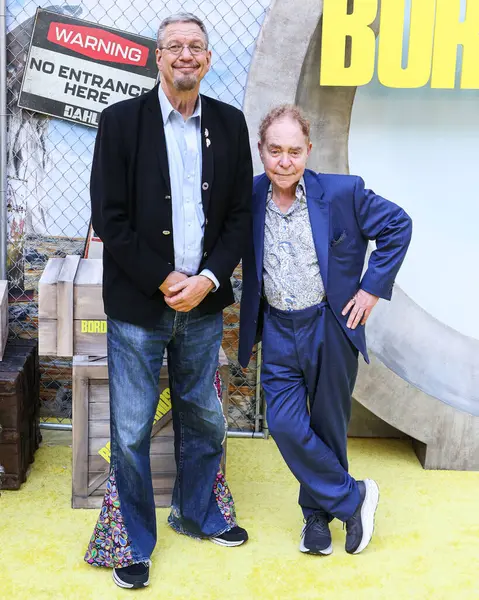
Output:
x=426 y=544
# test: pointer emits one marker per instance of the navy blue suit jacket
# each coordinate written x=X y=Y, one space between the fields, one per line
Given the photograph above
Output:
x=344 y=216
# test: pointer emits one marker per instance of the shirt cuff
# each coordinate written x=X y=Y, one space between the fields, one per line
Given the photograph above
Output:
x=209 y=274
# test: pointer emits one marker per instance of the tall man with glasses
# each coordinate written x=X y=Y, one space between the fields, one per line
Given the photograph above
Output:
x=170 y=189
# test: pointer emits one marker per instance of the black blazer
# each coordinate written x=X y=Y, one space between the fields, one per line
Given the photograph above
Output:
x=131 y=204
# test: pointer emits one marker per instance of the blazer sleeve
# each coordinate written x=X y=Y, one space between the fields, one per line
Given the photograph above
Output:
x=227 y=251
x=391 y=228
x=109 y=205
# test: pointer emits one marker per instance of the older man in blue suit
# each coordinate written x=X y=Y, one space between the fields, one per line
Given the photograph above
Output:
x=304 y=293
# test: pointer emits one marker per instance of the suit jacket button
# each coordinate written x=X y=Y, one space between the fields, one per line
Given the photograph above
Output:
x=205 y=185
x=166 y=232
x=167 y=197
x=206 y=221
x=205 y=254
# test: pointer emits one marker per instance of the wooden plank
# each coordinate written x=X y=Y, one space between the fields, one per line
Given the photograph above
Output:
x=225 y=379
x=160 y=444
x=47 y=337
x=99 y=392
x=161 y=425
x=3 y=316
x=88 y=344
x=90 y=272
x=101 y=428
x=80 y=435
x=85 y=361
x=47 y=289
x=88 y=303
x=91 y=368
x=98 y=480
x=162 y=483
x=160 y=463
x=65 y=306
x=101 y=412
x=88 y=300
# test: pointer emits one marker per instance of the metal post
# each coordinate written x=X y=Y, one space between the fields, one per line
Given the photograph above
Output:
x=57 y=426
x=258 y=414
x=245 y=434
x=231 y=434
x=3 y=141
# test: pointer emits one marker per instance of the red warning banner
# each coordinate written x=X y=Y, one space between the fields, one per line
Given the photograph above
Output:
x=98 y=44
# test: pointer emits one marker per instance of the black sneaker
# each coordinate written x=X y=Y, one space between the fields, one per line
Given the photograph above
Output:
x=233 y=537
x=316 y=537
x=135 y=576
x=360 y=527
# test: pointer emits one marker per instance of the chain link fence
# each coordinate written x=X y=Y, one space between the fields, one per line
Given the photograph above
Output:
x=49 y=166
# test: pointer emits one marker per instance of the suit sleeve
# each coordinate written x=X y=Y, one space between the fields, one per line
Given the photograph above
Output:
x=110 y=218
x=391 y=228
x=227 y=251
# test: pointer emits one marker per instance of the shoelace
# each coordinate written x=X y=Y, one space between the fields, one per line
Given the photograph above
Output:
x=316 y=520
x=351 y=525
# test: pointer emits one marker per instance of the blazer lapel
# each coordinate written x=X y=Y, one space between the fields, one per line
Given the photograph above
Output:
x=155 y=129
x=318 y=209
x=259 y=215
x=207 y=145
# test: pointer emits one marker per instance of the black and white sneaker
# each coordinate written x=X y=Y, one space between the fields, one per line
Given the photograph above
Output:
x=133 y=577
x=316 y=536
x=233 y=537
x=360 y=527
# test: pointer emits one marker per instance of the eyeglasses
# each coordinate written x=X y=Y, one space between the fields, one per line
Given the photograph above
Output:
x=178 y=48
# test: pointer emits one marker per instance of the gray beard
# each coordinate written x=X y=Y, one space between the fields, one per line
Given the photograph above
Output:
x=186 y=83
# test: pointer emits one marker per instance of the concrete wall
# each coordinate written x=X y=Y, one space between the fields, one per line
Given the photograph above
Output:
x=424 y=375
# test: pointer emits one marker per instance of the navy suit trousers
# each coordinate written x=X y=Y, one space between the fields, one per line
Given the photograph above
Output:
x=307 y=356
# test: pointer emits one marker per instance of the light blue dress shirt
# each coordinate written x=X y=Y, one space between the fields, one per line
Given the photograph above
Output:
x=183 y=146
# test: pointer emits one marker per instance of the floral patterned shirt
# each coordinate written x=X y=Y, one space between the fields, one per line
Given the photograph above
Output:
x=291 y=275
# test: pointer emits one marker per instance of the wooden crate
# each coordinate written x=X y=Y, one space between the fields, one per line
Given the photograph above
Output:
x=19 y=410
x=3 y=316
x=91 y=430
x=71 y=319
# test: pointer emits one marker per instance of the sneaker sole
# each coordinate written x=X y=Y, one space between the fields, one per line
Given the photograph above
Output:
x=368 y=511
x=125 y=585
x=221 y=542
x=326 y=552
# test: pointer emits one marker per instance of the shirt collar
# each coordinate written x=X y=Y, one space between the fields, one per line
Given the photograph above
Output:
x=301 y=190
x=167 y=108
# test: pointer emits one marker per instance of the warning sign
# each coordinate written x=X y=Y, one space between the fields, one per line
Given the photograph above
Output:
x=76 y=68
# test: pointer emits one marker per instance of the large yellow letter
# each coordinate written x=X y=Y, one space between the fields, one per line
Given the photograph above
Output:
x=337 y=26
x=449 y=33
x=391 y=43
